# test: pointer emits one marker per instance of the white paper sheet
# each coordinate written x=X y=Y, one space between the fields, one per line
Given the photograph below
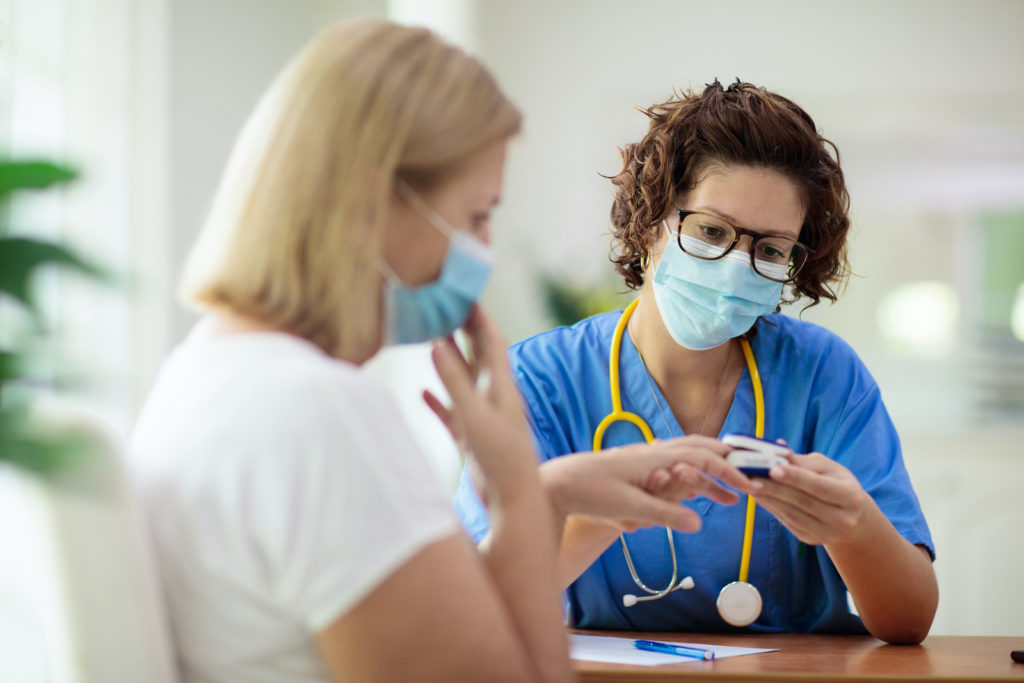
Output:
x=621 y=650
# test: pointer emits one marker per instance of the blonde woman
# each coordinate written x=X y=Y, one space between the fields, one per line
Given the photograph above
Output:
x=300 y=533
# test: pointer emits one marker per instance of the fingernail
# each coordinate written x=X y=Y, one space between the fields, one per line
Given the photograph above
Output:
x=756 y=484
x=777 y=472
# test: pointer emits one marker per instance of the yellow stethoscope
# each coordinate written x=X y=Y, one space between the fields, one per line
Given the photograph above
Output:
x=739 y=603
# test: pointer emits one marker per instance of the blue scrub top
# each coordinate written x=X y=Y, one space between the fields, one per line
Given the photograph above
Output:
x=818 y=397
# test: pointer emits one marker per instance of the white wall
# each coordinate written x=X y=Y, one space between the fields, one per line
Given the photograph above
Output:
x=223 y=55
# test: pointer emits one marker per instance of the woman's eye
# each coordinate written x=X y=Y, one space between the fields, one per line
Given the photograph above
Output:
x=712 y=232
x=770 y=252
x=479 y=222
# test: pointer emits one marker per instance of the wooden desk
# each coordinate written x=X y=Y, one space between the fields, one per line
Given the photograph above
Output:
x=950 y=659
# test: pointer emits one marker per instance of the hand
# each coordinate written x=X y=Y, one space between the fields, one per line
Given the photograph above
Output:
x=816 y=498
x=642 y=484
x=489 y=422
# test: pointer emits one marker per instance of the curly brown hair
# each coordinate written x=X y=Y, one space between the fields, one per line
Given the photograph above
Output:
x=739 y=125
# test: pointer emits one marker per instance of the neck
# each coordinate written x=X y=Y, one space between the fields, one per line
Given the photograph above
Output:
x=698 y=385
x=667 y=361
x=228 y=322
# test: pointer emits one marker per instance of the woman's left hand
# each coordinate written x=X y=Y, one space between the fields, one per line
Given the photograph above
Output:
x=816 y=498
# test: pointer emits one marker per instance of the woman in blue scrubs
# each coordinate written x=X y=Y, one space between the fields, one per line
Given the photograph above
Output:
x=729 y=206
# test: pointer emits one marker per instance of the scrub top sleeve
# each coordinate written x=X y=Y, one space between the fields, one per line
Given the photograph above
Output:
x=466 y=502
x=539 y=414
x=470 y=509
x=865 y=442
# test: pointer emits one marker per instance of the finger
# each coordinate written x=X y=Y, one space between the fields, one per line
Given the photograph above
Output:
x=658 y=480
x=478 y=329
x=454 y=373
x=439 y=409
x=490 y=350
x=782 y=491
x=443 y=413
x=698 y=483
x=464 y=343
x=803 y=527
x=819 y=485
x=649 y=510
x=716 y=492
x=808 y=505
x=700 y=441
x=717 y=467
x=816 y=462
x=708 y=460
x=689 y=481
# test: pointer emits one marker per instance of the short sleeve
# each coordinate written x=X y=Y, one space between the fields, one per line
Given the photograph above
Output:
x=466 y=502
x=866 y=442
x=352 y=501
x=470 y=509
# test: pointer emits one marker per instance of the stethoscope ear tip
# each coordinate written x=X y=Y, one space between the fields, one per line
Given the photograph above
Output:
x=628 y=600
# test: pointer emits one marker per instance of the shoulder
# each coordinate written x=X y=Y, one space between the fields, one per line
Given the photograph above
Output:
x=572 y=344
x=256 y=396
x=293 y=378
x=794 y=348
x=782 y=334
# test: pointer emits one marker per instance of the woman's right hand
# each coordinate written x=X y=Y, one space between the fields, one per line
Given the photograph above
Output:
x=642 y=485
x=488 y=422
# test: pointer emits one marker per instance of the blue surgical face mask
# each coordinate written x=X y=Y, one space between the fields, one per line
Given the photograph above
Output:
x=706 y=303
x=419 y=314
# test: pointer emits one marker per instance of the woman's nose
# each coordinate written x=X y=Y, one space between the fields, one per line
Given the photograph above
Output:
x=744 y=243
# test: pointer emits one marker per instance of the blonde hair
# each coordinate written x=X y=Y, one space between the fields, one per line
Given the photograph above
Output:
x=294 y=237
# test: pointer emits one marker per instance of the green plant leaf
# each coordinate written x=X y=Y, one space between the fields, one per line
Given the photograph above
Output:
x=32 y=175
x=568 y=302
x=46 y=455
x=19 y=258
x=8 y=366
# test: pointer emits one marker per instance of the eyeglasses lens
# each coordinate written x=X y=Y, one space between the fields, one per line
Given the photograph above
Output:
x=708 y=237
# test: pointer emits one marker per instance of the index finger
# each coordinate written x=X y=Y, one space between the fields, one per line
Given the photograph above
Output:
x=454 y=373
x=712 y=463
x=490 y=348
x=700 y=440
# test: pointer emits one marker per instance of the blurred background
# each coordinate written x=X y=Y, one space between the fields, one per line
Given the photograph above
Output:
x=924 y=99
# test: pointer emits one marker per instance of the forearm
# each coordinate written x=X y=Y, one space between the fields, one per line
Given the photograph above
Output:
x=580 y=540
x=583 y=540
x=520 y=562
x=891 y=580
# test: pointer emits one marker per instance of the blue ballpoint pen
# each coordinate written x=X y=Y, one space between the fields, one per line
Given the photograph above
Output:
x=670 y=649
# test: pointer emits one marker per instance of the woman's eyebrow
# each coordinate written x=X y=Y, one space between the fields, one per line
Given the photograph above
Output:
x=736 y=223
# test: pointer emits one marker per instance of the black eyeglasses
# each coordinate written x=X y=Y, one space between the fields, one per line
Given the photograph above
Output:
x=710 y=238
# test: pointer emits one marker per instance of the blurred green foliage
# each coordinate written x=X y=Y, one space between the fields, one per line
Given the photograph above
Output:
x=568 y=302
x=22 y=442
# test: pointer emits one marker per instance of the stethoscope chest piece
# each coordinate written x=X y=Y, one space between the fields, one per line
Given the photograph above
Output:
x=739 y=603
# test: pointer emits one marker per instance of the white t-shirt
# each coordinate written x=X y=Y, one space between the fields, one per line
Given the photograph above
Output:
x=281 y=487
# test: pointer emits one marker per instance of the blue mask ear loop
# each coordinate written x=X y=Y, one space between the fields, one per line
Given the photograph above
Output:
x=433 y=217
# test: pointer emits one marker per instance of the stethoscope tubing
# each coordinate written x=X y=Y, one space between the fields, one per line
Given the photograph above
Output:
x=617 y=414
